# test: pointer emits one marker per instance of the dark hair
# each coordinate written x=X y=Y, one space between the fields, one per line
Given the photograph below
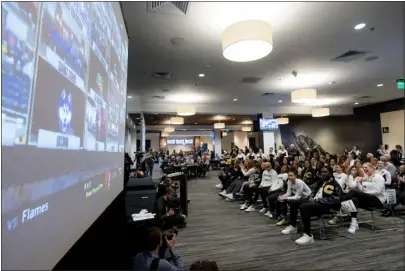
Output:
x=204 y=265
x=292 y=170
x=154 y=238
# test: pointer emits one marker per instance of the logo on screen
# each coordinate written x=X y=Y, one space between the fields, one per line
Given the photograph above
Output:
x=99 y=81
x=65 y=110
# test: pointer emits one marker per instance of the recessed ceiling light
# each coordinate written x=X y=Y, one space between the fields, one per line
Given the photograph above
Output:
x=235 y=100
x=129 y=97
x=356 y=103
x=380 y=85
x=201 y=75
x=280 y=101
x=233 y=119
x=360 y=26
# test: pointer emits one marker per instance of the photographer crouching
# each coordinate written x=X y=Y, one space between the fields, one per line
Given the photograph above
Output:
x=168 y=211
x=160 y=254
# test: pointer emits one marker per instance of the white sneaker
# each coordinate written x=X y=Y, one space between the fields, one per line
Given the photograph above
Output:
x=243 y=206
x=288 y=230
x=268 y=213
x=333 y=221
x=263 y=210
x=250 y=209
x=305 y=240
x=219 y=186
x=228 y=200
x=353 y=228
x=229 y=196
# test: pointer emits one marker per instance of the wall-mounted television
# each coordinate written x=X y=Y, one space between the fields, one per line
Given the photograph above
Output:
x=267 y=124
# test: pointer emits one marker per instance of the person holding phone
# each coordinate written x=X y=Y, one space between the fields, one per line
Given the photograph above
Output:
x=166 y=216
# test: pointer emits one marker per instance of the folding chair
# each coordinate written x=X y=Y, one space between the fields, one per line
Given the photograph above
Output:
x=391 y=199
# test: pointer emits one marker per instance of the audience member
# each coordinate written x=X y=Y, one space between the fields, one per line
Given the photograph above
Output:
x=276 y=189
x=341 y=177
x=168 y=217
x=385 y=173
x=250 y=186
x=204 y=265
x=380 y=151
x=399 y=190
x=369 y=193
x=397 y=156
x=388 y=165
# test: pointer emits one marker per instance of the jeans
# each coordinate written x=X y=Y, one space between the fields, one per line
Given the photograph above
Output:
x=234 y=187
x=272 y=199
x=262 y=192
x=150 y=168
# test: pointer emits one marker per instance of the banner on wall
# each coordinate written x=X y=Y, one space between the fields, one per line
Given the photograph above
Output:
x=186 y=141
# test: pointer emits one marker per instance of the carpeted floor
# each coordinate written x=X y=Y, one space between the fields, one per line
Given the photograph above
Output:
x=219 y=231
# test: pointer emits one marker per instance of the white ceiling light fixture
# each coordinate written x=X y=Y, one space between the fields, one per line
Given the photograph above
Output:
x=282 y=121
x=129 y=97
x=235 y=99
x=177 y=120
x=307 y=95
x=247 y=41
x=164 y=134
x=186 y=110
x=219 y=125
x=280 y=101
x=356 y=103
x=169 y=129
x=224 y=133
x=359 y=26
x=380 y=85
x=201 y=75
x=320 y=112
x=246 y=128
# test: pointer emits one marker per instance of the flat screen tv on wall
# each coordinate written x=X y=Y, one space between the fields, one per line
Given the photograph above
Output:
x=268 y=124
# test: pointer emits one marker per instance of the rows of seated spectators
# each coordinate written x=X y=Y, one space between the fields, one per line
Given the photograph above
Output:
x=311 y=183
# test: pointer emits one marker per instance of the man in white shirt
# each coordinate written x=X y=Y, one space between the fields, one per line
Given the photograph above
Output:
x=297 y=193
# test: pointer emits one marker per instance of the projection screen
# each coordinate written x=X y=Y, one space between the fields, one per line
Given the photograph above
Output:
x=64 y=78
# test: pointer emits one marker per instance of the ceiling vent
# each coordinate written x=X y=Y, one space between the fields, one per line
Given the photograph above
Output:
x=350 y=56
x=365 y=97
x=158 y=97
x=162 y=75
x=250 y=80
x=169 y=7
x=268 y=94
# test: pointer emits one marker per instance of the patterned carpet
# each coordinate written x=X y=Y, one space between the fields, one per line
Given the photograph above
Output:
x=219 y=231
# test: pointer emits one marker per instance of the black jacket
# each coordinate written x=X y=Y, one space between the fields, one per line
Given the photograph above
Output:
x=331 y=192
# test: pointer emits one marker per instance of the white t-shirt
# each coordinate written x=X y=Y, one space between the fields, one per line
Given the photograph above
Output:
x=279 y=183
x=342 y=179
x=268 y=178
x=299 y=189
x=386 y=175
x=241 y=156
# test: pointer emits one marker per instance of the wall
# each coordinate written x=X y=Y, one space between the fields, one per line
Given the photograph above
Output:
x=208 y=140
x=227 y=141
x=241 y=139
x=395 y=122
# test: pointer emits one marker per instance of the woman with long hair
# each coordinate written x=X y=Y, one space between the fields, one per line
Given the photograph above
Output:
x=369 y=193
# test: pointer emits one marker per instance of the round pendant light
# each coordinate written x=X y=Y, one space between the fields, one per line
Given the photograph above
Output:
x=176 y=120
x=186 y=110
x=247 y=41
x=163 y=134
x=303 y=95
x=246 y=129
x=320 y=112
x=219 y=125
x=169 y=129
x=282 y=121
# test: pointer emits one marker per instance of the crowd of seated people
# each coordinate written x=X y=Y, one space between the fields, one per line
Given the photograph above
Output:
x=311 y=183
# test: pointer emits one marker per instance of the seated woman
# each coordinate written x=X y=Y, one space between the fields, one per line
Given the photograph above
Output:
x=369 y=193
x=241 y=155
x=326 y=198
x=233 y=174
x=341 y=177
x=260 y=155
x=297 y=193
x=236 y=186
x=276 y=189
x=250 y=187
x=385 y=173
x=399 y=191
x=269 y=176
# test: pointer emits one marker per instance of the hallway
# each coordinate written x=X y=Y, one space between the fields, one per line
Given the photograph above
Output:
x=219 y=231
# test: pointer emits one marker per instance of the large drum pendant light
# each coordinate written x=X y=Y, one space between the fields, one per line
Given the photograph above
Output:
x=186 y=110
x=164 y=134
x=320 y=112
x=247 y=41
x=169 y=129
x=219 y=125
x=177 y=120
x=303 y=95
x=282 y=121
x=246 y=129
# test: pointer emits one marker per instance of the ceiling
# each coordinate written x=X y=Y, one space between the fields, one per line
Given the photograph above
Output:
x=198 y=119
x=306 y=37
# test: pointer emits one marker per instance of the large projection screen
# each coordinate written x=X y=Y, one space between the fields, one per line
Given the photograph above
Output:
x=64 y=79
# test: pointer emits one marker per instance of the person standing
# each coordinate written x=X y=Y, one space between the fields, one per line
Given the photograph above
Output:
x=149 y=161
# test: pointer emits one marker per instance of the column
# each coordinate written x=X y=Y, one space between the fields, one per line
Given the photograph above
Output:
x=133 y=142
x=217 y=142
x=143 y=133
x=268 y=136
x=241 y=139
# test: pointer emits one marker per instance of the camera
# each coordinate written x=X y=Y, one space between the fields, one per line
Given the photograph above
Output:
x=169 y=235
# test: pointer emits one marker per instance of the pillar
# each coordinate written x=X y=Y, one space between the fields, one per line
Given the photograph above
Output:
x=133 y=142
x=240 y=139
x=217 y=142
x=143 y=133
x=268 y=136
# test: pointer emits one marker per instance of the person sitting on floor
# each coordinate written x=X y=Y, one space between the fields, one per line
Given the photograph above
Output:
x=149 y=260
x=385 y=173
x=326 y=198
x=250 y=187
x=399 y=191
x=369 y=193
x=269 y=176
x=297 y=193
x=276 y=189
